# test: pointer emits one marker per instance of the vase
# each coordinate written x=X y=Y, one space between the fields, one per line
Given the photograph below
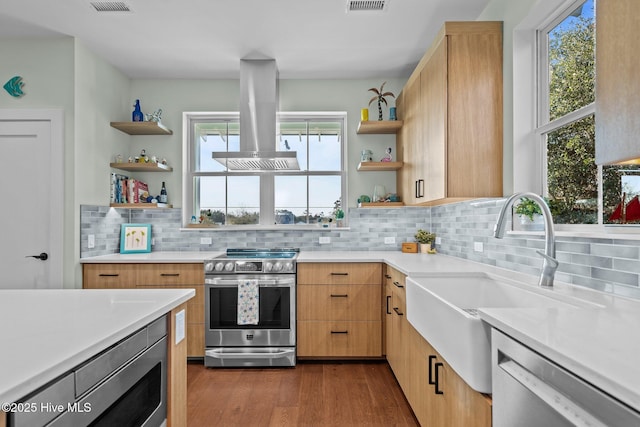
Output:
x=537 y=224
x=423 y=248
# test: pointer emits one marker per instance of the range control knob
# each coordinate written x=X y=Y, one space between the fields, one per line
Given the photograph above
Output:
x=277 y=266
x=288 y=266
x=268 y=266
x=229 y=266
x=208 y=267
x=219 y=266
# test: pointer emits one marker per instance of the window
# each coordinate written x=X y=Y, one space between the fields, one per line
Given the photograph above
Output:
x=578 y=191
x=216 y=195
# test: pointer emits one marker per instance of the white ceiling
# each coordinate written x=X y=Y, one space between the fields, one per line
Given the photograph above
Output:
x=206 y=39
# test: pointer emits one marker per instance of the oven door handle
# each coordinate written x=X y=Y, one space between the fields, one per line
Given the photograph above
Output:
x=257 y=355
x=261 y=282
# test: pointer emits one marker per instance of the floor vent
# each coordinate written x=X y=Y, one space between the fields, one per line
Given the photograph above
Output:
x=110 y=6
x=367 y=5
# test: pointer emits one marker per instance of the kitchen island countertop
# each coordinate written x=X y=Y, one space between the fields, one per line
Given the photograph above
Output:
x=48 y=332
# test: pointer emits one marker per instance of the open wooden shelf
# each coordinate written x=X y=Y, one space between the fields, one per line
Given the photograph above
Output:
x=142 y=128
x=142 y=167
x=381 y=205
x=141 y=205
x=379 y=166
x=379 y=126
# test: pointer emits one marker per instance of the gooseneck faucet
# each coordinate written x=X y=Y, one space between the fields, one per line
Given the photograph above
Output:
x=550 y=264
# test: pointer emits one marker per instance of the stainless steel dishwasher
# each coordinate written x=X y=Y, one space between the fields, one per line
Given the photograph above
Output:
x=531 y=391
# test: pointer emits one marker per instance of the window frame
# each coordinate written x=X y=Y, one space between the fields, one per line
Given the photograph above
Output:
x=267 y=178
x=531 y=122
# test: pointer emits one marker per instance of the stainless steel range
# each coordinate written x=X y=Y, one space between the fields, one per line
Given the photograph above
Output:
x=250 y=308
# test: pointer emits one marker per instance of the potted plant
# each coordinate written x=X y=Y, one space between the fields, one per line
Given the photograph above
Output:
x=425 y=240
x=530 y=214
x=338 y=213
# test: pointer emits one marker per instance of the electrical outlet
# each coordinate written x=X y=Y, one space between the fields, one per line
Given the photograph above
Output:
x=91 y=241
x=205 y=240
x=478 y=246
x=438 y=240
x=390 y=240
x=324 y=240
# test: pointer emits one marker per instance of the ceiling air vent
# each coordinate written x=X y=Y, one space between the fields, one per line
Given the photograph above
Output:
x=367 y=5
x=110 y=6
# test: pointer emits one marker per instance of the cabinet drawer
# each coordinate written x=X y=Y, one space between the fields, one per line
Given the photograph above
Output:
x=334 y=273
x=108 y=276
x=339 y=302
x=339 y=339
x=170 y=274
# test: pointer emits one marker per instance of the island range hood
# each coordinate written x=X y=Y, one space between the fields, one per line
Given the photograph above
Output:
x=258 y=105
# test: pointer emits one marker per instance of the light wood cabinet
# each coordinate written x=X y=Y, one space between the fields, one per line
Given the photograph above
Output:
x=451 y=140
x=437 y=395
x=155 y=276
x=617 y=83
x=338 y=310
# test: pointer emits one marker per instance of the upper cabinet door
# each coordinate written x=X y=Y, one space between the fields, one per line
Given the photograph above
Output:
x=617 y=82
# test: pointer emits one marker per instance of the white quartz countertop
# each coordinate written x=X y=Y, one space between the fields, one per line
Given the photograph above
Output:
x=598 y=344
x=48 y=332
x=152 y=257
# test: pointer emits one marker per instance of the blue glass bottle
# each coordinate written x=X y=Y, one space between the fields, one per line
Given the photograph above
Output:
x=137 y=115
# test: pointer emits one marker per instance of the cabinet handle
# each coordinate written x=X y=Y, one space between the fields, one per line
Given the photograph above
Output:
x=434 y=377
x=397 y=311
x=339 y=274
x=339 y=295
x=420 y=188
x=109 y=274
x=416 y=191
x=438 y=365
x=388 y=299
x=339 y=332
x=169 y=274
x=431 y=359
x=398 y=284
x=387 y=276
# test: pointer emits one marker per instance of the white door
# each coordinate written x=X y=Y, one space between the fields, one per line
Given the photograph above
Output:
x=30 y=220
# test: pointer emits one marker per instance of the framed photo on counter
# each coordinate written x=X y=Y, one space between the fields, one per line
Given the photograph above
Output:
x=135 y=238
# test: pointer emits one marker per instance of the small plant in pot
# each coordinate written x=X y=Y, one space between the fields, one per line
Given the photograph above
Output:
x=425 y=240
x=530 y=214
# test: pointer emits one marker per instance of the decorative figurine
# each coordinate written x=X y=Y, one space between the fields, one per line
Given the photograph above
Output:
x=155 y=116
x=380 y=97
x=387 y=157
x=137 y=115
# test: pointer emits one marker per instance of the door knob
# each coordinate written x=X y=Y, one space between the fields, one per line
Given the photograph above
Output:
x=42 y=257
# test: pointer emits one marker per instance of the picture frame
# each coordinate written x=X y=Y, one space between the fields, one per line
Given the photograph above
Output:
x=135 y=238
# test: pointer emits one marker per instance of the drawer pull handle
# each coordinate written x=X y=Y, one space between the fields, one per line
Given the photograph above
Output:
x=387 y=276
x=339 y=274
x=339 y=295
x=388 y=299
x=109 y=274
x=398 y=284
x=397 y=311
x=339 y=332
x=436 y=386
x=169 y=274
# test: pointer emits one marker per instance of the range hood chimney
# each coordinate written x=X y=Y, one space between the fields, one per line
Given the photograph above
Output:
x=258 y=105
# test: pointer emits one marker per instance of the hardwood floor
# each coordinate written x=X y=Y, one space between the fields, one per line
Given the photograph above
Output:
x=311 y=394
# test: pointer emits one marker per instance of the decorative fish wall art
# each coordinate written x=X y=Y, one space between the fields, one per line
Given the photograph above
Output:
x=14 y=86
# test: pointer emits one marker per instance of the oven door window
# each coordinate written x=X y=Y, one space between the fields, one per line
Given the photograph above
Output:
x=274 y=308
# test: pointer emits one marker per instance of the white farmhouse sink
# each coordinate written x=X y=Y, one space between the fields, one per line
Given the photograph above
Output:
x=443 y=310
